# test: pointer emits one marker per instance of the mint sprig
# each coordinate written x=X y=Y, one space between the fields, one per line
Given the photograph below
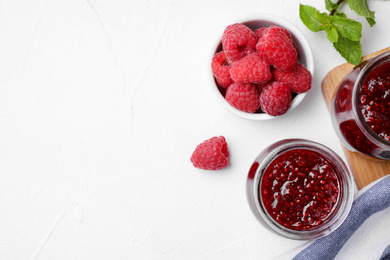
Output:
x=344 y=33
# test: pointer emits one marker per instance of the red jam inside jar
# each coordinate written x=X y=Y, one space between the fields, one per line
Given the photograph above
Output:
x=360 y=109
x=374 y=100
x=300 y=189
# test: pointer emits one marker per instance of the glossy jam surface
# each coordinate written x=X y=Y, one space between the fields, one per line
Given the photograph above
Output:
x=374 y=100
x=300 y=189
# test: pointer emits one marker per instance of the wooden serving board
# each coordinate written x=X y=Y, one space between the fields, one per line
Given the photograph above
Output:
x=364 y=168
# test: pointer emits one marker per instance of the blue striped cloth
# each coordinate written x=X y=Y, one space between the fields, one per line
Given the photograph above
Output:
x=375 y=199
x=386 y=254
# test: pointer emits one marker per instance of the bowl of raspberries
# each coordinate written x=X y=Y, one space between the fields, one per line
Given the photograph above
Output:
x=261 y=67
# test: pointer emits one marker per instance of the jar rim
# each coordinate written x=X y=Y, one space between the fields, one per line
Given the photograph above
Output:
x=367 y=67
x=344 y=201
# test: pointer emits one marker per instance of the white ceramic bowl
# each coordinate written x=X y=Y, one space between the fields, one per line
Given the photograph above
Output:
x=305 y=56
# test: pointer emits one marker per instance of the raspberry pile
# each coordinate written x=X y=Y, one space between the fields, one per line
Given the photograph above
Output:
x=258 y=71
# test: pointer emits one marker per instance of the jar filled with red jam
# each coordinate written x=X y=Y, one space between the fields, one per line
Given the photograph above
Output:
x=299 y=189
x=360 y=108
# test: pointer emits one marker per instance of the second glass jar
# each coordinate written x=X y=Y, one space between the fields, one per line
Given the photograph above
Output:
x=360 y=108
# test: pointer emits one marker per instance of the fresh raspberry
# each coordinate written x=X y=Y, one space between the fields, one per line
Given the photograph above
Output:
x=276 y=29
x=251 y=69
x=299 y=78
x=212 y=154
x=272 y=29
x=260 y=32
x=276 y=99
x=243 y=97
x=277 y=49
x=238 y=41
x=260 y=87
x=220 y=66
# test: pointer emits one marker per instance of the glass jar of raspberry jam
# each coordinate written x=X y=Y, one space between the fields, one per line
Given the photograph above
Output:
x=299 y=189
x=360 y=108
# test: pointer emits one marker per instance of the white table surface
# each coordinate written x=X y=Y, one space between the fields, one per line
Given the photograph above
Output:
x=101 y=105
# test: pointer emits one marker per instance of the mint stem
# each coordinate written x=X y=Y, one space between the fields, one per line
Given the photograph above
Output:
x=334 y=10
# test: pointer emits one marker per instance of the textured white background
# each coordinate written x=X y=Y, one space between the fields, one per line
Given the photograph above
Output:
x=101 y=105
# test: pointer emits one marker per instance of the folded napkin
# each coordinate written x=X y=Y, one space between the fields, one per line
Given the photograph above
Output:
x=365 y=233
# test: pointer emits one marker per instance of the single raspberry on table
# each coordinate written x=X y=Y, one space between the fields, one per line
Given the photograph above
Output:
x=276 y=99
x=220 y=66
x=243 y=96
x=251 y=69
x=212 y=154
x=238 y=41
x=299 y=78
x=277 y=49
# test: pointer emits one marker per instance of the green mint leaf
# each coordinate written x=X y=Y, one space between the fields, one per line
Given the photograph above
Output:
x=371 y=22
x=349 y=50
x=342 y=15
x=347 y=28
x=361 y=8
x=331 y=33
x=312 y=18
x=329 y=5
